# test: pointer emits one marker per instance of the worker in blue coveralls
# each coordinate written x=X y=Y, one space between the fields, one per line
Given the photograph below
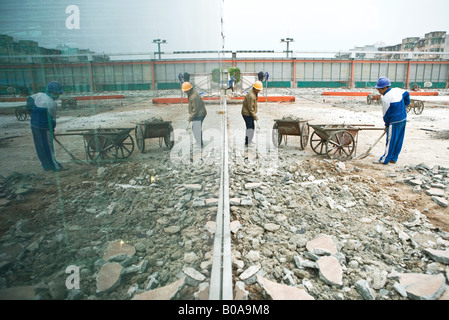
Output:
x=394 y=103
x=43 y=122
x=231 y=84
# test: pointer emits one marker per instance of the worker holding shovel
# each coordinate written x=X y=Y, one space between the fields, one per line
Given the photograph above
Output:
x=197 y=112
x=249 y=111
x=394 y=103
x=43 y=122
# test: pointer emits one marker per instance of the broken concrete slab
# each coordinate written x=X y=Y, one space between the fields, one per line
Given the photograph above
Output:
x=162 y=293
x=435 y=192
x=330 y=271
x=322 y=242
x=250 y=272
x=440 y=201
x=438 y=255
x=116 y=248
x=283 y=292
x=109 y=276
x=423 y=286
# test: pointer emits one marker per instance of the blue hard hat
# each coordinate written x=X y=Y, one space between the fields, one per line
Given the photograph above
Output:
x=54 y=87
x=382 y=83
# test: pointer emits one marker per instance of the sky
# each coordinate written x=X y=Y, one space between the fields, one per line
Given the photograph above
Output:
x=129 y=26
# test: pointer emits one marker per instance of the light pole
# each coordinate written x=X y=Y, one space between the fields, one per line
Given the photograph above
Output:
x=159 y=41
x=288 y=40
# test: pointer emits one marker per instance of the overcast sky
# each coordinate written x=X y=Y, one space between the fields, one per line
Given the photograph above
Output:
x=129 y=26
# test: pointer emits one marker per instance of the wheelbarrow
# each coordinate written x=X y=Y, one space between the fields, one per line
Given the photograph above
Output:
x=373 y=98
x=105 y=144
x=22 y=113
x=416 y=105
x=290 y=127
x=160 y=129
x=337 y=141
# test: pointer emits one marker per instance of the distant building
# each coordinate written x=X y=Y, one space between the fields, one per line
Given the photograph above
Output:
x=365 y=52
x=436 y=41
x=28 y=51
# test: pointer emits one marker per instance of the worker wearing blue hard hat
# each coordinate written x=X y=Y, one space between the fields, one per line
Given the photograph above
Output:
x=394 y=103
x=43 y=123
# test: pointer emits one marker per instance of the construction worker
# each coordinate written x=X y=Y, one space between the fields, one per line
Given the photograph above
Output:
x=43 y=123
x=249 y=111
x=231 y=84
x=394 y=103
x=197 y=112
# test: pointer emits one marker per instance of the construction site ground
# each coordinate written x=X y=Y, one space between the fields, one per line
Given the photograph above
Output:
x=426 y=142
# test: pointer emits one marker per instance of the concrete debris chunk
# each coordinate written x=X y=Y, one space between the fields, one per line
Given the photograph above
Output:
x=437 y=192
x=116 y=248
x=440 y=201
x=363 y=287
x=330 y=271
x=203 y=292
x=162 y=293
x=271 y=227
x=248 y=273
x=423 y=286
x=252 y=185
x=438 y=255
x=323 y=242
x=240 y=293
x=193 y=187
x=283 y=292
x=235 y=226
x=109 y=276
x=172 y=229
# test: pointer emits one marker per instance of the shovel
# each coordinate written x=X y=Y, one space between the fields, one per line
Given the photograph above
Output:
x=364 y=155
x=75 y=159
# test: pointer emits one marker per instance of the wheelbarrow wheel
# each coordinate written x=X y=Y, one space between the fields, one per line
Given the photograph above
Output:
x=140 y=139
x=340 y=145
x=304 y=135
x=419 y=107
x=169 y=138
x=317 y=143
x=125 y=148
x=101 y=148
x=276 y=136
x=369 y=99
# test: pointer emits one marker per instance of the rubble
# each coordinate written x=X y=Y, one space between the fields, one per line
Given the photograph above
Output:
x=310 y=229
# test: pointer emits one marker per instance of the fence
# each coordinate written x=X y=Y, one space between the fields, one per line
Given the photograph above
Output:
x=94 y=76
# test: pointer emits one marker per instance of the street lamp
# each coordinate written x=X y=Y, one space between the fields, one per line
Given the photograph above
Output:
x=159 y=41
x=288 y=40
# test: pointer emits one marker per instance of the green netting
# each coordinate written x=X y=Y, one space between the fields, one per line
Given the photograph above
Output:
x=167 y=85
x=279 y=84
x=322 y=84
